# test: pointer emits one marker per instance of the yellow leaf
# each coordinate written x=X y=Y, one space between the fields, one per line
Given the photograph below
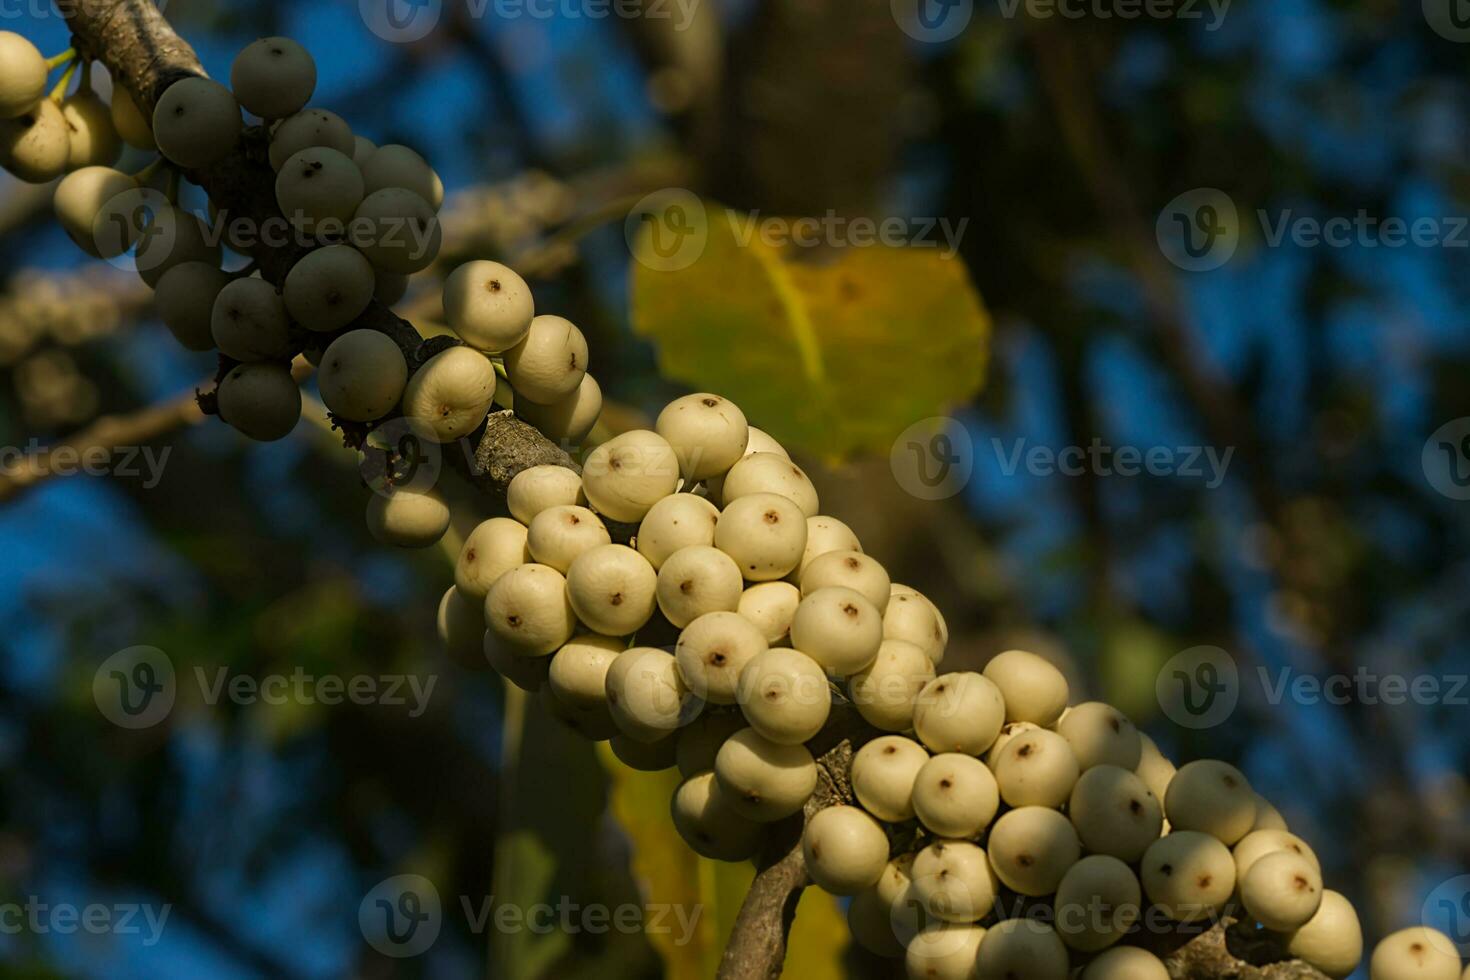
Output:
x=834 y=353
x=669 y=873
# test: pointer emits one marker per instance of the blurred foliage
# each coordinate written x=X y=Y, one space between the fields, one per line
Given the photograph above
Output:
x=826 y=351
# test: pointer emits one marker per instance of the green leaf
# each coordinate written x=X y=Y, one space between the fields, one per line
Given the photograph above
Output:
x=669 y=873
x=835 y=353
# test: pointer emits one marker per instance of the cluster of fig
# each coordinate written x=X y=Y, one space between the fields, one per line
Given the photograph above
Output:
x=43 y=136
x=361 y=219
x=993 y=831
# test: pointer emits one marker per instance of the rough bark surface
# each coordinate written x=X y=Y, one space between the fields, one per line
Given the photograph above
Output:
x=144 y=54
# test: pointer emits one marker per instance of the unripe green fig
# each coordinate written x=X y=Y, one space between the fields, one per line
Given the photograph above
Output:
x=82 y=207
x=362 y=375
x=528 y=609
x=393 y=165
x=703 y=817
x=765 y=472
x=249 y=321
x=680 y=520
x=1032 y=848
x=451 y=393
x=1282 y=891
x=186 y=298
x=885 y=691
x=764 y=780
x=319 y=190
x=611 y=587
x=23 y=74
x=883 y=775
x=548 y=364
x=770 y=607
x=173 y=237
x=36 y=144
x=959 y=712
x=1126 y=963
x=953 y=881
x=1034 y=689
x=835 y=626
x=1188 y=875
x=408 y=518
x=1415 y=954
x=461 y=624
x=713 y=650
x=261 y=400
x=397 y=230
x=1101 y=735
x=846 y=850
x=1332 y=941
x=709 y=434
x=489 y=551
x=94 y=140
x=783 y=694
x=1212 y=797
x=568 y=420
x=578 y=672
x=273 y=77
x=1115 y=813
x=765 y=534
x=129 y=121
x=851 y=570
x=540 y=488
x=308 y=128
x=955 y=796
x=329 y=288
x=196 y=122
x=624 y=477
x=944 y=951
x=1021 y=948
x=488 y=305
